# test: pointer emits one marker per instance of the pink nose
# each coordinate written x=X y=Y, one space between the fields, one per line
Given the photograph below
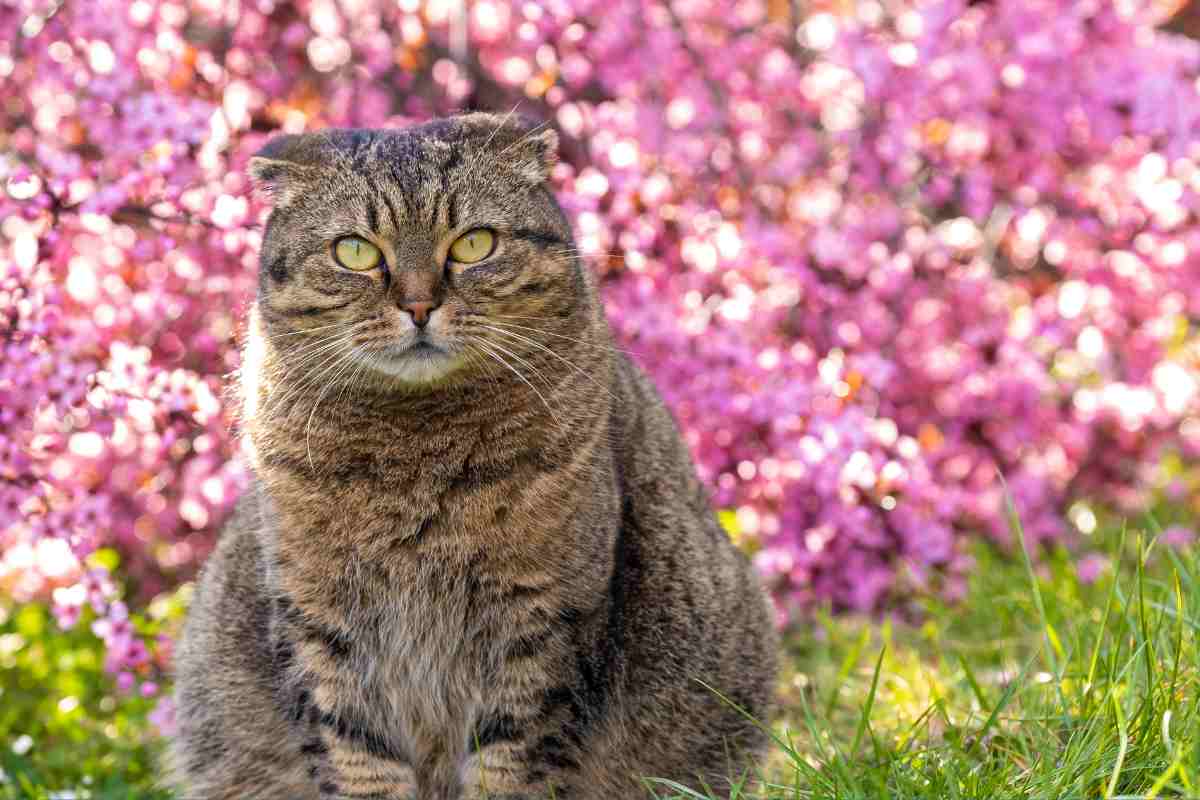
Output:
x=419 y=310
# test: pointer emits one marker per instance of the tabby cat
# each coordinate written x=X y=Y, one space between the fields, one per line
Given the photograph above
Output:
x=475 y=560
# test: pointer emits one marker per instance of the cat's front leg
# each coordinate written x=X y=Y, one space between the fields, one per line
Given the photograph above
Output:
x=350 y=762
x=523 y=757
x=348 y=751
x=513 y=772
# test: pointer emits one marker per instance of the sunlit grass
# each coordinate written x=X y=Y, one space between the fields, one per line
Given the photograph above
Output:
x=65 y=733
x=1036 y=686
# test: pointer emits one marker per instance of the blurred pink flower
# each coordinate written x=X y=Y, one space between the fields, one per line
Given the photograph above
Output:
x=162 y=716
x=1090 y=567
x=870 y=274
x=1178 y=536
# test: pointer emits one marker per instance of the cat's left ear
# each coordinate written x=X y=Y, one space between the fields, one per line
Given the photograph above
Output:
x=285 y=166
x=535 y=154
x=527 y=147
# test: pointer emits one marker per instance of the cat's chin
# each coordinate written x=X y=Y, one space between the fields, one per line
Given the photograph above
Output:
x=420 y=364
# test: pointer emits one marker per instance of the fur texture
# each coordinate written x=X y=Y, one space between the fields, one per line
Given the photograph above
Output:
x=475 y=560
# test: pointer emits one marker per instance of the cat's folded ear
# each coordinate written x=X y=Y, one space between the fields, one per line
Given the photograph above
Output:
x=285 y=166
x=535 y=154
x=528 y=147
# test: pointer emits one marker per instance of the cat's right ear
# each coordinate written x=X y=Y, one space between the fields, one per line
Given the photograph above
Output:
x=284 y=166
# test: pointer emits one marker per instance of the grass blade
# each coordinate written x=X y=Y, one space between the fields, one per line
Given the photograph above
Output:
x=1123 y=733
x=866 y=714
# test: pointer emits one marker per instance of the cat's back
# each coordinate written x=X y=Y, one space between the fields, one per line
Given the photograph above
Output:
x=693 y=617
x=232 y=578
x=229 y=675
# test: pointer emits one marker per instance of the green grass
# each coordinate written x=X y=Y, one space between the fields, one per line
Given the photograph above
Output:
x=1036 y=686
x=63 y=727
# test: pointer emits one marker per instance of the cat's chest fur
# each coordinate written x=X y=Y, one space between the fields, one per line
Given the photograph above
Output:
x=413 y=663
x=397 y=578
x=432 y=661
x=414 y=554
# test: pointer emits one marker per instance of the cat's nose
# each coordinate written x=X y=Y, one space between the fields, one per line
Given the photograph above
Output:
x=419 y=310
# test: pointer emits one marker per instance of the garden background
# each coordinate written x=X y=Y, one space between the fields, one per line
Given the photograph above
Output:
x=893 y=265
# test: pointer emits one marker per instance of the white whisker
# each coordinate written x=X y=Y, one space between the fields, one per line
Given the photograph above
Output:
x=528 y=135
x=287 y=390
x=303 y=331
x=536 y=372
x=541 y=346
x=495 y=321
x=500 y=127
x=515 y=371
x=303 y=360
x=324 y=368
x=348 y=361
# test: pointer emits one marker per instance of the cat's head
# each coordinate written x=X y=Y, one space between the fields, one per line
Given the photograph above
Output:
x=419 y=254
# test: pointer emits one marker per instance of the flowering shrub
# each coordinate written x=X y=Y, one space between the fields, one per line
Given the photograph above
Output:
x=873 y=260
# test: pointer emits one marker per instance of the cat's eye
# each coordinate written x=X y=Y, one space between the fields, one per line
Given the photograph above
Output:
x=472 y=246
x=356 y=253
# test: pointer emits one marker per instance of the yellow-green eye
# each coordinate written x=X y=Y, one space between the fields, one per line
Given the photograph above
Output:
x=356 y=253
x=473 y=246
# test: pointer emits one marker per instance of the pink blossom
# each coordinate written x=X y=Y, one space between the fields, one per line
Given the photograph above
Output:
x=1090 y=567
x=1178 y=536
x=163 y=715
x=873 y=263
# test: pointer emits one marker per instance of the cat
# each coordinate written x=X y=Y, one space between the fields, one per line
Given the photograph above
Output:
x=475 y=559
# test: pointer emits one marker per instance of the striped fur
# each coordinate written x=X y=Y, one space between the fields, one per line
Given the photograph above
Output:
x=456 y=578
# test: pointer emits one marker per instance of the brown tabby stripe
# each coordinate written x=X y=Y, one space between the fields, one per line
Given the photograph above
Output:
x=457 y=577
